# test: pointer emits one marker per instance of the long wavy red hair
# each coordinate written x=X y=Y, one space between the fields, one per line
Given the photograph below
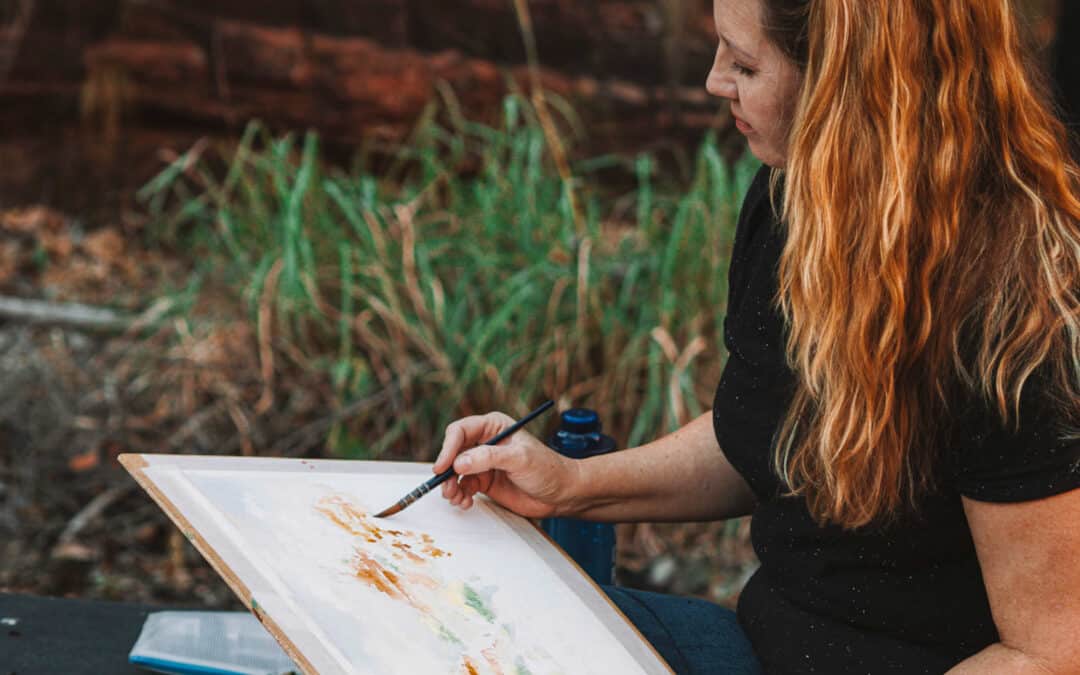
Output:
x=933 y=250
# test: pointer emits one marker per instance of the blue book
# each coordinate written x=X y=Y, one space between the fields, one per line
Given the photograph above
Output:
x=208 y=643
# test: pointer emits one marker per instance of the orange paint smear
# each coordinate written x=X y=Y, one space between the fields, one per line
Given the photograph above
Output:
x=349 y=518
x=435 y=552
x=492 y=660
x=404 y=548
x=468 y=666
x=357 y=522
x=422 y=580
x=375 y=575
x=368 y=565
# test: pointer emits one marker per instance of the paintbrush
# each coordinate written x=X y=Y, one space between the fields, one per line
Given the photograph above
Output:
x=438 y=480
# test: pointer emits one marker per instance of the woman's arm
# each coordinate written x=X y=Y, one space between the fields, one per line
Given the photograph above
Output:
x=682 y=476
x=1029 y=553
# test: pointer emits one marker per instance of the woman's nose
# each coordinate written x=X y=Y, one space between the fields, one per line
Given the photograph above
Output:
x=719 y=81
x=720 y=84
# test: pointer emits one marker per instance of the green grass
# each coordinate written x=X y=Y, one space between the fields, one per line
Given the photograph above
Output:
x=462 y=275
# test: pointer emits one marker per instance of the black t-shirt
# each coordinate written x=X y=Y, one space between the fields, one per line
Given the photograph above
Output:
x=902 y=598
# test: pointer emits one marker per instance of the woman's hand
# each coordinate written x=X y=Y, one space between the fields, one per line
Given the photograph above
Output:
x=521 y=473
x=682 y=476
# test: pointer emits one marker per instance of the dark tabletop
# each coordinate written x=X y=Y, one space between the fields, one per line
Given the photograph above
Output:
x=72 y=637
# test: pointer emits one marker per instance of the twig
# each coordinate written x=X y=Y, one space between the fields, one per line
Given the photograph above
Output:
x=85 y=317
x=94 y=508
x=303 y=437
x=69 y=314
x=194 y=425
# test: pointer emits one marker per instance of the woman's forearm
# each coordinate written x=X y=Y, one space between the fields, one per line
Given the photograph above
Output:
x=683 y=476
x=997 y=658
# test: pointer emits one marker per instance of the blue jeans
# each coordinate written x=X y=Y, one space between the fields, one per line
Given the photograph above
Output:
x=694 y=636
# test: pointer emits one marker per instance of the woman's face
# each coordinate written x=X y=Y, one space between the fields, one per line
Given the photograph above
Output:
x=754 y=74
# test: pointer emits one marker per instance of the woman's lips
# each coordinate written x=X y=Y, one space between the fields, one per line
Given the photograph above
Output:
x=743 y=126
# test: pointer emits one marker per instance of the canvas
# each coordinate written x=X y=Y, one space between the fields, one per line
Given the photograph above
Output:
x=433 y=589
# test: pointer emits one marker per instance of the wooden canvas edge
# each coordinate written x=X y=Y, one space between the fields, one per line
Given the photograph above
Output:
x=194 y=462
x=545 y=553
x=604 y=596
x=135 y=465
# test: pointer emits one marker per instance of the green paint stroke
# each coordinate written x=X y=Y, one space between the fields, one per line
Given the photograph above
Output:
x=473 y=599
x=447 y=636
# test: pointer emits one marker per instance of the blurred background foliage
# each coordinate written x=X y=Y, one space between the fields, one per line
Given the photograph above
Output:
x=327 y=228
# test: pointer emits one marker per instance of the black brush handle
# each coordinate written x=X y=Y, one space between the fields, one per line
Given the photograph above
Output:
x=499 y=438
x=435 y=481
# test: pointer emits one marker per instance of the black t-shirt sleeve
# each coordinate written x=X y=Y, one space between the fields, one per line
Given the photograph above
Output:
x=995 y=462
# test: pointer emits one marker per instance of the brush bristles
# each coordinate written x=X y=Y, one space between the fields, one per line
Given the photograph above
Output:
x=386 y=513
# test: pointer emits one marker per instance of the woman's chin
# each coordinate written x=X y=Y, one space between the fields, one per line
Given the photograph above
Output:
x=766 y=155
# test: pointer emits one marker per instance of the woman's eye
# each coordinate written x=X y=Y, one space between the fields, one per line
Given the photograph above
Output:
x=741 y=69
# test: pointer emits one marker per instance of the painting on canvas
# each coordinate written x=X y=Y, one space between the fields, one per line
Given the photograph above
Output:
x=433 y=589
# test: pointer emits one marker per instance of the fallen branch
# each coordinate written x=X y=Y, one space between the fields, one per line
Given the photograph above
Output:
x=93 y=510
x=84 y=317
x=314 y=432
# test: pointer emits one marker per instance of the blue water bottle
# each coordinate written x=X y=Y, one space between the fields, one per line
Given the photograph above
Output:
x=591 y=545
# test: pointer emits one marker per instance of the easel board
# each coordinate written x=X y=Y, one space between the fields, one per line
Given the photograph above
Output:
x=433 y=589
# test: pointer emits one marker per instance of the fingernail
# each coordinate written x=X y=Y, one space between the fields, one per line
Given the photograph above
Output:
x=464 y=463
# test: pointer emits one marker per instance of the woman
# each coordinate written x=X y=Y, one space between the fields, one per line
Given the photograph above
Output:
x=899 y=411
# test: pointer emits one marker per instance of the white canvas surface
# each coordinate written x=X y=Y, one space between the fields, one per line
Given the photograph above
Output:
x=430 y=590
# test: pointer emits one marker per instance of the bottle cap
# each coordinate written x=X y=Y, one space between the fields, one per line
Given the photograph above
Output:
x=580 y=421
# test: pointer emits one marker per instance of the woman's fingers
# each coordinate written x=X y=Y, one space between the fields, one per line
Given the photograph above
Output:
x=469 y=486
x=449 y=488
x=463 y=490
x=479 y=467
x=453 y=439
x=467 y=432
x=510 y=457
